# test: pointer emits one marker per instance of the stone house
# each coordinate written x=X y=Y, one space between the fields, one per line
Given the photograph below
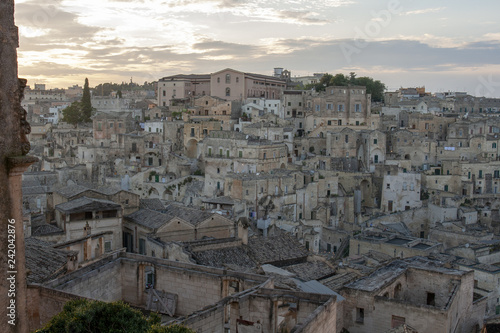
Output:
x=401 y=191
x=232 y=85
x=127 y=200
x=107 y=126
x=175 y=223
x=394 y=245
x=195 y=131
x=80 y=217
x=417 y=292
x=182 y=87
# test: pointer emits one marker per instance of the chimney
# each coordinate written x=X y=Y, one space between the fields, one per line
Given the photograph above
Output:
x=243 y=230
x=87 y=229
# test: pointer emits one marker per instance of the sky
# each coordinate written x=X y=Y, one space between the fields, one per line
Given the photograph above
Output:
x=444 y=45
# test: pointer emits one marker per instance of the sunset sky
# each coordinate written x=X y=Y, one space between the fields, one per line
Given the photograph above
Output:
x=444 y=45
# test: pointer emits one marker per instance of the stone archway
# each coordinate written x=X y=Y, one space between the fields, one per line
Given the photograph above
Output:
x=192 y=148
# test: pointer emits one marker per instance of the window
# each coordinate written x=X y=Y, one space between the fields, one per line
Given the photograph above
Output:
x=99 y=126
x=347 y=139
x=317 y=107
x=493 y=145
x=228 y=91
x=142 y=246
x=209 y=151
x=228 y=79
x=110 y=125
x=375 y=141
x=405 y=186
x=237 y=79
x=240 y=154
x=107 y=246
x=431 y=299
x=360 y=315
x=218 y=80
x=388 y=186
x=357 y=108
x=329 y=122
x=340 y=108
x=119 y=125
x=446 y=188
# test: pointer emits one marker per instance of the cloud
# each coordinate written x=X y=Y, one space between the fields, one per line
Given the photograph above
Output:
x=423 y=11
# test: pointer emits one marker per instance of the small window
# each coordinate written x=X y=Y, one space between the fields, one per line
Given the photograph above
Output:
x=360 y=315
x=107 y=246
x=431 y=299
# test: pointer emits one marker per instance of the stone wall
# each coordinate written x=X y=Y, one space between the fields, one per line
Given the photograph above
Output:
x=101 y=280
x=43 y=304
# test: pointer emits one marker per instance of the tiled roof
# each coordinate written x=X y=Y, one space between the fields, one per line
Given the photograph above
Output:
x=85 y=204
x=153 y=204
x=220 y=200
x=234 y=256
x=193 y=216
x=148 y=218
x=71 y=191
x=337 y=281
x=43 y=261
x=275 y=248
x=311 y=270
x=45 y=229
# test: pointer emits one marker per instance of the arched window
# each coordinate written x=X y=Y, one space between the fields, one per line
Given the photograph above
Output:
x=228 y=91
x=228 y=78
x=397 y=291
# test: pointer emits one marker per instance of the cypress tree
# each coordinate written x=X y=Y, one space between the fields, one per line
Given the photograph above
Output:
x=86 y=103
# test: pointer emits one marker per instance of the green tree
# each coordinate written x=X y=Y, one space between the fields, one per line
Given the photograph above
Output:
x=373 y=87
x=72 y=113
x=86 y=103
x=86 y=316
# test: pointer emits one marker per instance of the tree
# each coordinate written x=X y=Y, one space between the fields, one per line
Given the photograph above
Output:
x=72 y=114
x=373 y=87
x=86 y=103
x=86 y=316
x=80 y=111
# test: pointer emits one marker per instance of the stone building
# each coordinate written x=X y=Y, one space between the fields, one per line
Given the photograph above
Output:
x=226 y=151
x=401 y=191
x=196 y=130
x=107 y=126
x=417 y=292
x=394 y=245
x=232 y=85
x=339 y=107
x=80 y=217
x=174 y=223
x=182 y=87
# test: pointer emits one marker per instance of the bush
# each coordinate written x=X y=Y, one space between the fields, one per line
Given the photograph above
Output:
x=86 y=316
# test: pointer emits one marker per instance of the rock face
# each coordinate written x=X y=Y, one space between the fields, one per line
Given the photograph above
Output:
x=14 y=146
